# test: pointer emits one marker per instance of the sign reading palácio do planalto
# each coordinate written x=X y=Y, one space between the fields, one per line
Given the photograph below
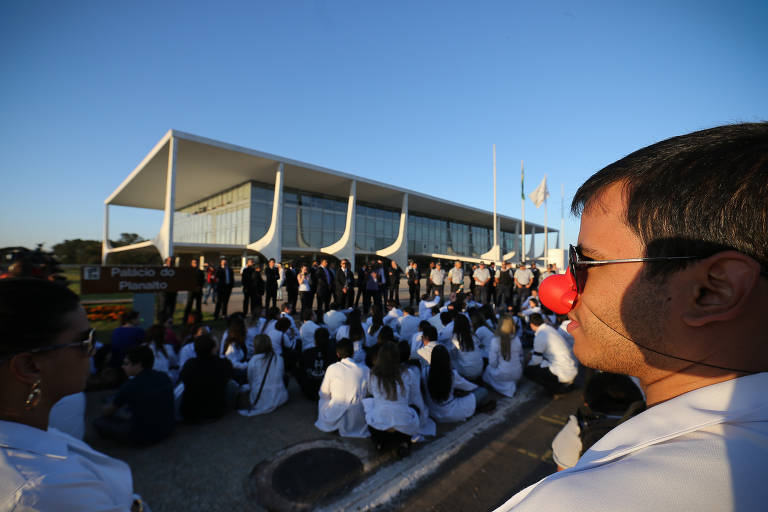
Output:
x=135 y=279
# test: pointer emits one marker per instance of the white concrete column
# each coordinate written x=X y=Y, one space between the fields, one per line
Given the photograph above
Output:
x=344 y=248
x=494 y=254
x=398 y=251
x=105 y=245
x=164 y=239
x=271 y=244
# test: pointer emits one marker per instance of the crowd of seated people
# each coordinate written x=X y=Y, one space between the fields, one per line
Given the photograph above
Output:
x=390 y=375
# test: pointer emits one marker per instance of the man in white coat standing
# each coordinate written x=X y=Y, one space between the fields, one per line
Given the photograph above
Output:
x=341 y=395
x=669 y=284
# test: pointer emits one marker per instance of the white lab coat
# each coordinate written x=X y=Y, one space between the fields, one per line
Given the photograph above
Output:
x=500 y=374
x=307 y=334
x=551 y=351
x=340 y=406
x=470 y=363
x=274 y=394
x=408 y=326
x=382 y=413
x=425 y=308
x=484 y=337
x=334 y=319
x=454 y=408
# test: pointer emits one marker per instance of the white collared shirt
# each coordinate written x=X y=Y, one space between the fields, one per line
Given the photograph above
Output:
x=702 y=450
x=51 y=470
x=551 y=351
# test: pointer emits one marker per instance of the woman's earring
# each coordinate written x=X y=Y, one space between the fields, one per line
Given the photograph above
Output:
x=33 y=398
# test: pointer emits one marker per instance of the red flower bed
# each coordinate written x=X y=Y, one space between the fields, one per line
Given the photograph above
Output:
x=105 y=312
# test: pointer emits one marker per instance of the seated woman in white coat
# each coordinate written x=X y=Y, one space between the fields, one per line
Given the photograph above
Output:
x=466 y=355
x=265 y=379
x=505 y=361
x=344 y=386
x=166 y=360
x=235 y=347
x=441 y=380
x=482 y=331
x=391 y=420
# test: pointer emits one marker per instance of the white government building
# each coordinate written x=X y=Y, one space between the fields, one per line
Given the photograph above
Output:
x=222 y=200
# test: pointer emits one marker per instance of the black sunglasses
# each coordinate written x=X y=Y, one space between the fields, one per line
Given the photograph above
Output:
x=86 y=344
x=579 y=264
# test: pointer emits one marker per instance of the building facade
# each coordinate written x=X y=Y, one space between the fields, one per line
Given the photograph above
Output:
x=225 y=200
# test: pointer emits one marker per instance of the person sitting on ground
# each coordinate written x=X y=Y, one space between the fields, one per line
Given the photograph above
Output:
x=235 y=347
x=442 y=381
x=436 y=320
x=353 y=317
x=609 y=400
x=482 y=331
x=427 y=425
x=427 y=303
x=466 y=355
x=375 y=323
x=308 y=327
x=314 y=362
x=416 y=339
x=385 y=334
x=408 y=324
x=429 y=342
x=164 y=356
x=208 y=388
x=552 y=364
x=393 y=315
x=334 y=318
x=266 y=387
x=533 y=307
x=142 y=410
x=505 y=362
x=344 y=386
x=44 y=356
x=389 y=415
x=128 y=335
x=445 y=330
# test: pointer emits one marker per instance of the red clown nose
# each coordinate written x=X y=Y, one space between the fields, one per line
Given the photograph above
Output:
x=558 y=292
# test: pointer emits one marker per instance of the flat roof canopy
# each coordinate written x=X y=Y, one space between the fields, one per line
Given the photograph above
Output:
x=205 y=167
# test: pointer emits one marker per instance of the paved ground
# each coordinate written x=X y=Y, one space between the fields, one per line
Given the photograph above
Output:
x=474 y=465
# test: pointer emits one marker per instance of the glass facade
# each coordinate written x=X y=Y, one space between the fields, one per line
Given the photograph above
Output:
x=312 y=220
x=375 y=228
x=234 y=217
x=427 y=235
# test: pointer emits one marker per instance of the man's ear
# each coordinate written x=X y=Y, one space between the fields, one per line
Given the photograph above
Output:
x=720 y=288
x=24 y=368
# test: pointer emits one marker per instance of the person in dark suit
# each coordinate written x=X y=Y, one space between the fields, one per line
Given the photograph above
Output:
x=344 y=285
x=413 y=276
x=226 y=282
x=362 y=277
x=393 y=281
x=195 y=295
x=271 y=276
x=167 y=300
x=251 y=297
x=291 y=284
x=324 y=286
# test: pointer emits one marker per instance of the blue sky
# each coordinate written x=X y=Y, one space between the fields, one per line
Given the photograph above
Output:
x=411 y=93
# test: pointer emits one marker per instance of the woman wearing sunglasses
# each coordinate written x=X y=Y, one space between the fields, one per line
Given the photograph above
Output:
x=45 y=348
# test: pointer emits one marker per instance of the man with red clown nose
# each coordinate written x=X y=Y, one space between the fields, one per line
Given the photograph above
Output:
x=669 y=283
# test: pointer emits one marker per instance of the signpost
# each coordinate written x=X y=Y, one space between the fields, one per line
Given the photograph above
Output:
x=142 y=281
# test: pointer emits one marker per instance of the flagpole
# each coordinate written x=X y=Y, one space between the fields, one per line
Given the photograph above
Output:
x=562 y=216
x=522 y=194
x=495 y=222
x=546 y=227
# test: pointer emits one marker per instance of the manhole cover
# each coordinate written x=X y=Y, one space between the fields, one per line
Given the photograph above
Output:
x=315 y=473
x=304 y=475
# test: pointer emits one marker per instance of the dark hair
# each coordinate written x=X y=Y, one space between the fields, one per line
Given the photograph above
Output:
x=204 y=345
x=283 y=324
x=440 y=377
x=409 y=310
x=141 y=354
x=262 y=344
x=322 y=338
x=306 y=315
x=447 y=316
x=129 y=316
x=156 y=336
x=32 y=313
x=405 y=351
x=385 y=334
x=236 y=334
x=463 y=333
x=429 y=332
x=536 y=319
x=344 y=348
x=376 y=320
x=693 y=195
x=388 y=371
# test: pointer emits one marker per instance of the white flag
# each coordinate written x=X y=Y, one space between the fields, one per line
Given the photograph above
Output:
x=541 y=193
